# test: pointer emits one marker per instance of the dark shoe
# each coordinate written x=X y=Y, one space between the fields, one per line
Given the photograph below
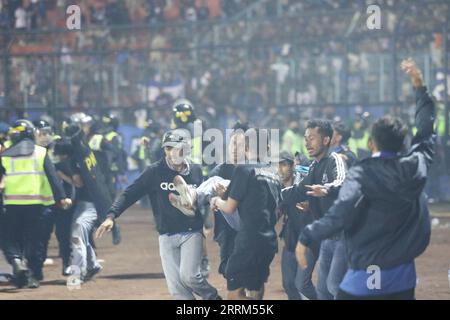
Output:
x=33 y=283
x=218 y=298
x=116 y=236
x=92 y=273
x=20 y=273
x=38 y=275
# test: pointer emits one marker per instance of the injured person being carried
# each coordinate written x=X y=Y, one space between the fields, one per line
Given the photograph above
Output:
x=190 y=198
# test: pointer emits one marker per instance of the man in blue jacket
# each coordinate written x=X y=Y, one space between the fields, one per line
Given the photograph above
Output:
x=381 y=207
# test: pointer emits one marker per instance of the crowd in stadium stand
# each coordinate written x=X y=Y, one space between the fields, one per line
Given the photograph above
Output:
x=32 y=14
x=238 y=64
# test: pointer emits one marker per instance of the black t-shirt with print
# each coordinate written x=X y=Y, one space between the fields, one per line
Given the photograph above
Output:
x=66 y=168
x=257 y=189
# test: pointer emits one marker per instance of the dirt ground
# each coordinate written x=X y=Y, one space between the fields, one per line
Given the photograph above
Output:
x=133 y=270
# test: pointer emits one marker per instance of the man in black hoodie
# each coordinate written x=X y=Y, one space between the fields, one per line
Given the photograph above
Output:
x=381 y=207
x=181 y=237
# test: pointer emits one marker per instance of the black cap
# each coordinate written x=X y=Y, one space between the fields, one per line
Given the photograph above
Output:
x=42 y=124
x=176 y=138
x=286 y=156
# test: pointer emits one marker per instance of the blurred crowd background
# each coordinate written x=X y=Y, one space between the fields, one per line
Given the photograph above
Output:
x=272 y=63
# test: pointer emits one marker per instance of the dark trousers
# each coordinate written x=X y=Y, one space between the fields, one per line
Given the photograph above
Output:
x=403 y=295
x=23 y=230
x=63 y=222
x=59 y=220
x=297 y=281
x=47 y=223
x=224 y=235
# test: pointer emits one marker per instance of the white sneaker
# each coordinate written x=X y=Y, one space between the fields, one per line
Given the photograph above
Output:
x=49 y=262
x=175 y=200
x=188 y=195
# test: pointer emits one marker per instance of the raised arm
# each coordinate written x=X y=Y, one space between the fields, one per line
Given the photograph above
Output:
x=424 y=141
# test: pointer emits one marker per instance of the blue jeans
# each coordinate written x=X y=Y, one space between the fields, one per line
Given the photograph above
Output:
x=332 y=268
x=83 y=254
x=297 y=281
x=181 y=256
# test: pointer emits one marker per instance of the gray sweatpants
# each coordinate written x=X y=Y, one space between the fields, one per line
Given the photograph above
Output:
x=181 y=256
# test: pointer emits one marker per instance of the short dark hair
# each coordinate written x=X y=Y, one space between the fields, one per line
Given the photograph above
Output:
x=389 y=133
x=62 y=147
x=240 y=126
x=262 y=139
x=343 y=130
x=324 y=126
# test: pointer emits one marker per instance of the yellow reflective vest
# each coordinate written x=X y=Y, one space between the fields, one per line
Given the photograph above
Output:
x=440 y=124
x=196 y=155
x=25 y=180
x=95 y=143
x=356 y=144
x=293 y=143
x=7 y=144
x=111 y=135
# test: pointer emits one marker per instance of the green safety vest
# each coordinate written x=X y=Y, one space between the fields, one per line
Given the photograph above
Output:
x=440 y=124
x=26 y=182
x=54 y=159
x=7 y=144
x=111 y=135
x=196 y=155
x=360 y=143
x=297 y=143
x=95 y=142
x=142 y=153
